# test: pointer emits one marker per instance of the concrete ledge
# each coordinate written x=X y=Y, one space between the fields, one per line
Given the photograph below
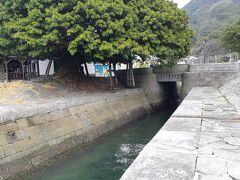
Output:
x=193 y=145
x=32 y=135
x=9 y=113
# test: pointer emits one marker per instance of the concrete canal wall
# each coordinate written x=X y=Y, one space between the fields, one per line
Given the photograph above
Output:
x=207 y=75
x=202 y=79
x=201 y=140
x=32 y=134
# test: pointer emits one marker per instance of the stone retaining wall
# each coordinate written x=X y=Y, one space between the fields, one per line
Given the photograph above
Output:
x=32 y=134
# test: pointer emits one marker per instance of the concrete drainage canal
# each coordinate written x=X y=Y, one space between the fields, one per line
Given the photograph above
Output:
x=109 y=156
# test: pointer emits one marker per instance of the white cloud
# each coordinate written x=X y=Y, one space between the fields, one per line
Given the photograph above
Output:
x=181 y=3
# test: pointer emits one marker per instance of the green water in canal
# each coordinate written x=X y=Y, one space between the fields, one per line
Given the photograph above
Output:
x=109 y=156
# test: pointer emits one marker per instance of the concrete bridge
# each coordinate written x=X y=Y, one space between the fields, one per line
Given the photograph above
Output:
x=190 y=76
x=182 y=78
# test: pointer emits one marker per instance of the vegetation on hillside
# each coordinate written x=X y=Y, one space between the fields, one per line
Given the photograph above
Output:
x=231 y=37
x=208 y=18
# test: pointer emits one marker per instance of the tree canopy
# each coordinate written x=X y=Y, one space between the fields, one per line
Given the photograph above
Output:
x=93 y=30
x=230 y=38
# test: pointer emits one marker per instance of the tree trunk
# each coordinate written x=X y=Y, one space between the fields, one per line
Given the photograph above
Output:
x=6 y=66
x=128 y=76
x=23 y=75
x=30 y=70
x=110 y=75
x=130 y=71
x=132 y=76
x=38 y=70
x=86 y=69
x=48 y=68
x=115 y=74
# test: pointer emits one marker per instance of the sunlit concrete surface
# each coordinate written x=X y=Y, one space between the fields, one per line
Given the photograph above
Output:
x=201 y=141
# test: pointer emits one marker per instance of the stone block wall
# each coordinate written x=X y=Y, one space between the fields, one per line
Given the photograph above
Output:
x=32 y=134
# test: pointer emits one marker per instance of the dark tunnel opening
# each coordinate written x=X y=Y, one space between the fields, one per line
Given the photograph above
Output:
x=172 y=92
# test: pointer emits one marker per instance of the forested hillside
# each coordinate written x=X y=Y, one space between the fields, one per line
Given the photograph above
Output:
x=210 y=16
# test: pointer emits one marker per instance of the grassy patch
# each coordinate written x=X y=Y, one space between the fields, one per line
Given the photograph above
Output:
x=226 y=99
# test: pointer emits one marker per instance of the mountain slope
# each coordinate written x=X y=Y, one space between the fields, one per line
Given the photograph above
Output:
x=209 y=16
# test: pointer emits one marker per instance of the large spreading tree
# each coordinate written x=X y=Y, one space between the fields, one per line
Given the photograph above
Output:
x=78 y=31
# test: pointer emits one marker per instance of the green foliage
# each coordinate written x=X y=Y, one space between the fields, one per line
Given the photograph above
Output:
x=209 y=17
x=93 y=30
x=230 y=38
x=162 y=29
x=6 y=42
x=141 y=64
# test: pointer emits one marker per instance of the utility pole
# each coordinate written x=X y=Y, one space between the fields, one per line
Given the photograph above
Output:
x=204 y=52
x=204 y=42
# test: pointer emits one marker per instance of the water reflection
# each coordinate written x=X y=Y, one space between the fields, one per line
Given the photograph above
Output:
x=109 y=156
x=126 y=155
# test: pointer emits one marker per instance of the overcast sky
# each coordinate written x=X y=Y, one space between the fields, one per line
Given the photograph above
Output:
x=181 y=3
